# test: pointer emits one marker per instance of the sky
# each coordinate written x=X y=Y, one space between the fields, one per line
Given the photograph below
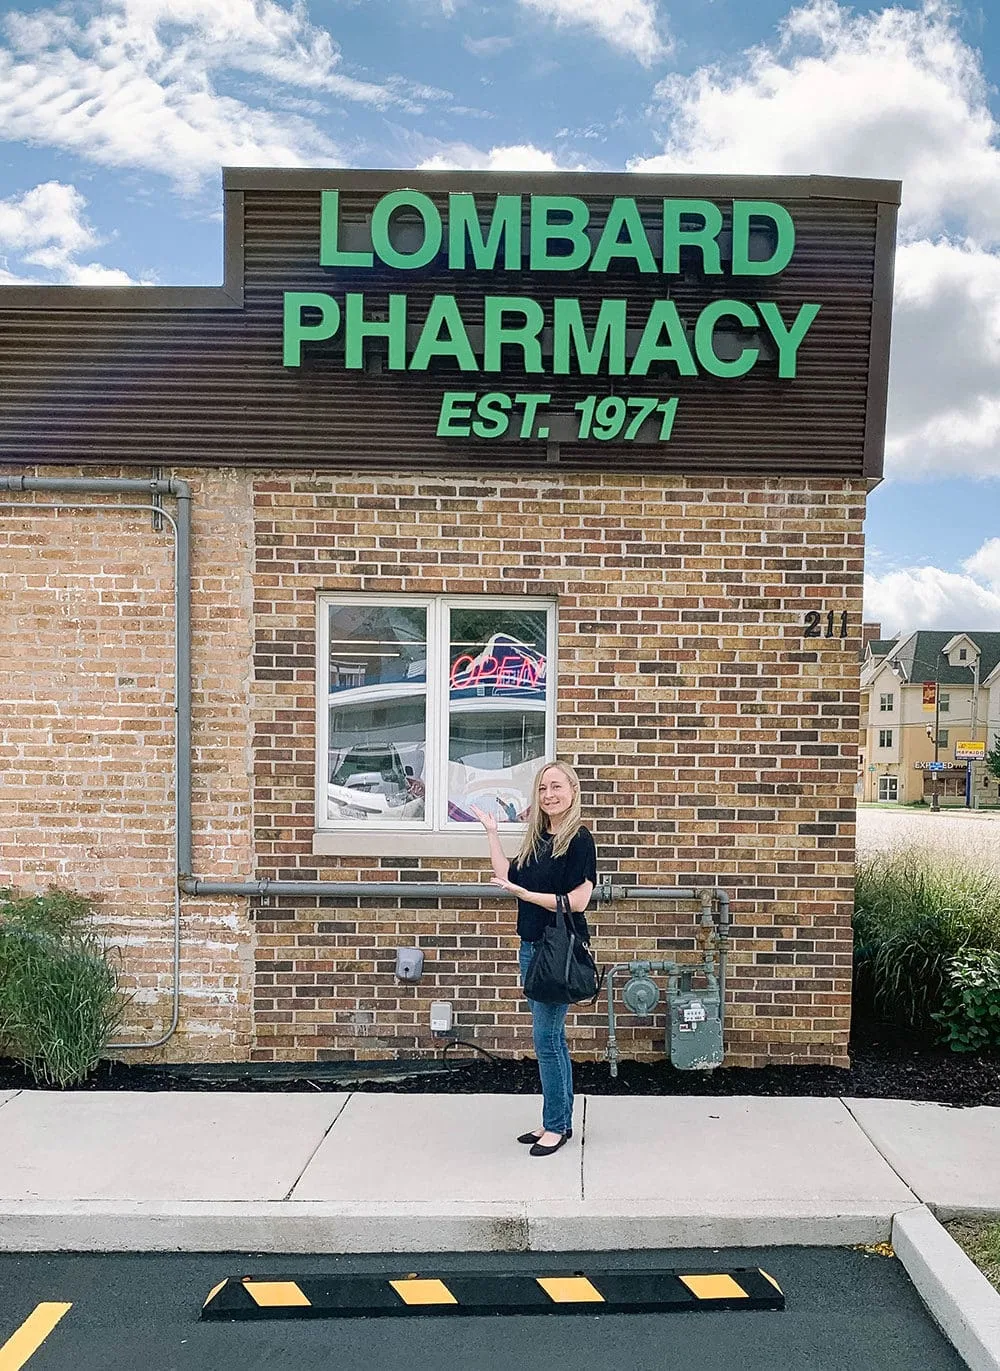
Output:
x=117 y=115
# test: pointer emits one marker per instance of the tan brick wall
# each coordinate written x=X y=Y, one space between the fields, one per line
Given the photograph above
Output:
x=87 y=738
x=715 y=743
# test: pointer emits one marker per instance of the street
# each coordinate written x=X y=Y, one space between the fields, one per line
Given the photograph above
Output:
x=845 y=1308
x=967 y=834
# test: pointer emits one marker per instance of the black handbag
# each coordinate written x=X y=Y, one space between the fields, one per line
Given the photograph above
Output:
x=562 y=970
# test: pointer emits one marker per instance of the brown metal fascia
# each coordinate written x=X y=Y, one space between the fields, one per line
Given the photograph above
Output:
x=641 y=185
x=879 y=341
x=228 y=296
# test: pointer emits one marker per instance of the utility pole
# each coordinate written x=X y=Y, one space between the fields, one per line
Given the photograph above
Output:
x=974 y=715
x=935 y=793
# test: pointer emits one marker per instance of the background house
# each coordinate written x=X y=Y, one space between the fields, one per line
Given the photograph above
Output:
x=910 y=686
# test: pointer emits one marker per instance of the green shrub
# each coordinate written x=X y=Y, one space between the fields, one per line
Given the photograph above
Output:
x=60 y=1001
x=915 y=911
x=970 y=1012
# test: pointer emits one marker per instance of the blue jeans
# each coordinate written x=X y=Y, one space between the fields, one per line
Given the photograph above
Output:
x=548 y=1025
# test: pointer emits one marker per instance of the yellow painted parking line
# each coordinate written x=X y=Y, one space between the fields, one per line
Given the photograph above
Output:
x=714 y=1288
x=271 y=1294
x=30 y=1336
x=423 y=1292
x=570 y=1290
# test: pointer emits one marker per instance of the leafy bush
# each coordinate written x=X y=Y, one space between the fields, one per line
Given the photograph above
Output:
x=60 y=1002
x=970 y=1013
x=914 y=912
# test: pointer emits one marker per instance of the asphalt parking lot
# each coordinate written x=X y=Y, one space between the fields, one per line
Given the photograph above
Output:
x=845 y=1308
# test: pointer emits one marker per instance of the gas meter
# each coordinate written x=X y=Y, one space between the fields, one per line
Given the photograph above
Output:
x=695 y=1028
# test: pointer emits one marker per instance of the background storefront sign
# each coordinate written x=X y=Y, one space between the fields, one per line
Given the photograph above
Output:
x=969 y=751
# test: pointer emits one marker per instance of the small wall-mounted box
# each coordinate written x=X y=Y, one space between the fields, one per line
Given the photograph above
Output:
x=409 y=964
x=442 y=1016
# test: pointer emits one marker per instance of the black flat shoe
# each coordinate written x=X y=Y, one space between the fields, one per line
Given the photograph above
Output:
x=539 y=1151
x=533 y=1137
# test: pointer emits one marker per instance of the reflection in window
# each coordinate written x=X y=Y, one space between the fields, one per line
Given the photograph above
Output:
x=496 y=710
x=377 y=743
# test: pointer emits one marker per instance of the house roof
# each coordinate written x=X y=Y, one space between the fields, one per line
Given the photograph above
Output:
x=880 y=647
x=919 y=656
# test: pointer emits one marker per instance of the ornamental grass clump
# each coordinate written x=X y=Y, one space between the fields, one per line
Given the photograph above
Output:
x=915 y=913
x=60 y=1001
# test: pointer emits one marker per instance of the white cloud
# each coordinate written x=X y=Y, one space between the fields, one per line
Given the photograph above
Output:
x=45 y=227
x=928 y=597
x=944 y=398
x=487 y=47
x=893 y=94
x=985 y=564
x=630 y=25
x=47 y=218
x=137 y=84
x=464 y=157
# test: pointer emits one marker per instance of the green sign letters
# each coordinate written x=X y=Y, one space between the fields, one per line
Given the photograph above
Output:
x=555 y=340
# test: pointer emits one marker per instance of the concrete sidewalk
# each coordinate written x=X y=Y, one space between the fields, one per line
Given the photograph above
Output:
x=199 y=1171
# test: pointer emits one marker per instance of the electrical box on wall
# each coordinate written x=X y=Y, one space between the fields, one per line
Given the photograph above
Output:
x=442 y=1016
x=409 y=963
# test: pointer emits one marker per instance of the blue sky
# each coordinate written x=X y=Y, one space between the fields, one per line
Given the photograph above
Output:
x=116 y=115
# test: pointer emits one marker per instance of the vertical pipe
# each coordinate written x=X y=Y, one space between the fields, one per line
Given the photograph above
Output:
x=612 y=1050
x=182 y=704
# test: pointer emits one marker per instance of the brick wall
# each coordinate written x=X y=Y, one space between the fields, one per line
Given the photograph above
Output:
x=714 y=742
x=87 y=738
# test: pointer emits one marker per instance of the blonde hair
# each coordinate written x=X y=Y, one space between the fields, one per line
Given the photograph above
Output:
x=570 y=825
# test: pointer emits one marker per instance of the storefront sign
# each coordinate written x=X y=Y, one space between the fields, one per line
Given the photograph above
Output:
x=724 y=339
x=969 y=751
x=505 y=667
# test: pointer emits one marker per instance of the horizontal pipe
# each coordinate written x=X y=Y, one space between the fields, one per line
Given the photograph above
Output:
x=98 y=485
x=366 y=890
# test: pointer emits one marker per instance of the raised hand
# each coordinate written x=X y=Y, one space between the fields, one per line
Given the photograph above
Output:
x=488 y=821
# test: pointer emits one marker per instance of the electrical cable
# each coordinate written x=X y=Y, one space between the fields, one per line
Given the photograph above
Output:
x=454 y=1041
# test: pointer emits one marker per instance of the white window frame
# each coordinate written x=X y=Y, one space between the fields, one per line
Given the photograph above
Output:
x=944 y=702
x=884 y=782
x=883 y=707
x=438 y=608
x=885 y=733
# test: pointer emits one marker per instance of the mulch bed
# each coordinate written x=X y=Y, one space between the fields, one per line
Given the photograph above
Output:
x=885 y=1064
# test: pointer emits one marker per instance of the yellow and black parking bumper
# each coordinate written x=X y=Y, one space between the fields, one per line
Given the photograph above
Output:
x=486 y=1294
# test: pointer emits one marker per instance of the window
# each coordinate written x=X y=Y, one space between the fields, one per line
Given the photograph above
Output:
x=885 y=737
x=944 y=703
x=430 y=707
x=942 y=737
x=888 y=787
x=885 y=704
x=962 y=654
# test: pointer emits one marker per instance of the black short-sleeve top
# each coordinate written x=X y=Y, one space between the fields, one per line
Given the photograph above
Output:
x=554 y=876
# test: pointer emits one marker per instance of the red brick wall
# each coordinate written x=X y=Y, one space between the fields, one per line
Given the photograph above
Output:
x=716 y=745
x=714 y=742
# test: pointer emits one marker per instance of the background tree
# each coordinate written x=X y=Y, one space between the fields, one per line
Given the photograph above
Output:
x=993 y=758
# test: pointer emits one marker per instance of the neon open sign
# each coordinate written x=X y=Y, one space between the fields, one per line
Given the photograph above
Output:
x=512 y=671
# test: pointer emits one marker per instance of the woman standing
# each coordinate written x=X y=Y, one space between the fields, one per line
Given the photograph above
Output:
x=557 y=857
